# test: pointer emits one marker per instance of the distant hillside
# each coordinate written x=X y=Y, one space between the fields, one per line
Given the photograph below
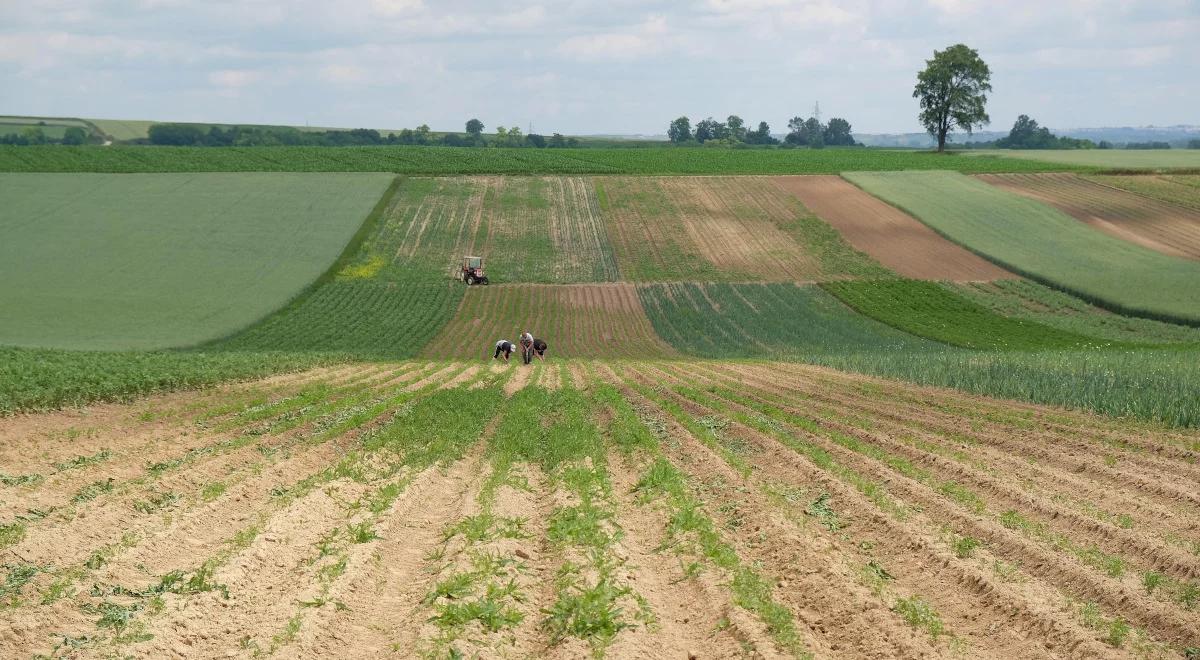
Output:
x=1177 y=136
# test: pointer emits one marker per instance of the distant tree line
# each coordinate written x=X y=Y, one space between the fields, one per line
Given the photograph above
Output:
x=37 y=135
x=733 y=132
x=199 y=135
x=1026 y=134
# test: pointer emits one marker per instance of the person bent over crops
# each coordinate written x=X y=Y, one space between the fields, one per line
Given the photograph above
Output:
x=504 y=347
x=540 y=347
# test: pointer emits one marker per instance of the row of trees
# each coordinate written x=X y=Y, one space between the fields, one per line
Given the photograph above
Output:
x=199 y=135
x=802 y=132
x=1026 y=134
x=37 y=135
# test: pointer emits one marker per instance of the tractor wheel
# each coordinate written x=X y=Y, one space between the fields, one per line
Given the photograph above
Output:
x=470 y=280
x=484 y=281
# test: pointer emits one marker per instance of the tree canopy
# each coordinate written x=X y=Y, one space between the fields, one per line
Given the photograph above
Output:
x=953 y=92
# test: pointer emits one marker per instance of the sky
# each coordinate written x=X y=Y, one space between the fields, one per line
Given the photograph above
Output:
x=591 y=66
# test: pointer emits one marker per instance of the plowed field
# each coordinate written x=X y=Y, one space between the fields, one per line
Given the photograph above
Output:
x=598 y=320
x=893 y=237
x=1160 y=226
x=713 y=228
x=638 y=509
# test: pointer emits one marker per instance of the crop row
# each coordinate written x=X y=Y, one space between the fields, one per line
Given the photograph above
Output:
x=356 y=318
x=456 y=160
x=1044 y=244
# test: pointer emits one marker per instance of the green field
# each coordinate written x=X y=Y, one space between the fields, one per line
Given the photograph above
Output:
x=152 y=261
x=1044 y=244
x=527 y=229
x=777 y=320
x=926 y=309
x=38 y=379
x=462 y=160
x=1023 y=299
x=1181 y=189
x=357 y=319
x=124 y=129
x=53 y=131
x=1108 y=159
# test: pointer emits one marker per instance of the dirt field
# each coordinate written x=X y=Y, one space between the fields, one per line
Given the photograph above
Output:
x=657 y=510
x=1160 y=226
x=577 y=321
x=894 y=238
x=724 y=228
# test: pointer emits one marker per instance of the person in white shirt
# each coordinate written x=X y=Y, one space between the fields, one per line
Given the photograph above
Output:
x=504 y=346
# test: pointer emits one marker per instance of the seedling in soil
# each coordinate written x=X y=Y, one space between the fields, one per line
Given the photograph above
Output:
x=588 y=613
x=964 y=546
x=362 y=532
x=83 y=461
x=822 y=510
x=20 y=479
x=156 y=502
x=920 y=614
x=212 y=491
x=17 y=577
x=11 y=534
x=876 y=577
x=92 y=491
x=1151 y=580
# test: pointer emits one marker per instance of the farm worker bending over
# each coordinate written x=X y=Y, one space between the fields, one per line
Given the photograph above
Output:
x=504 y=346
x=540 y=347
x=527 y=338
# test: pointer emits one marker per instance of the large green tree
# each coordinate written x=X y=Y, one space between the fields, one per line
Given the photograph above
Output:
x=953 y=92
x=680 y=130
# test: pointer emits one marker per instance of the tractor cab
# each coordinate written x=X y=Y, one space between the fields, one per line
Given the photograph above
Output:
x=472 y=271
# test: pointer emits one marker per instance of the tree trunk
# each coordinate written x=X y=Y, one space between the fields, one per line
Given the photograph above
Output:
x=941 y=141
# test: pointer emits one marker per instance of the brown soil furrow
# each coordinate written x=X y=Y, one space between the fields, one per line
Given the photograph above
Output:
x=895 y=238
x=1065 y=572
x=383 y=588
x=974 y=605
x=1066 y=482
x=1141 y=468
x=1166 y=228
x=689 y=612
x=1155 y=553
x=265 y=581
x=1151 y=553
x=518 y=381
x=467 y=375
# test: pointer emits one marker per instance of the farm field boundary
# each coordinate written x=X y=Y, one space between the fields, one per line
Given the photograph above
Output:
x=1114 y=160
x=1044 y=244
x=161 y=260
x=465 y=160
x=577 y=321
x=1162 y=227
x=436 y=508
x=894 y=238
x=1179 y=189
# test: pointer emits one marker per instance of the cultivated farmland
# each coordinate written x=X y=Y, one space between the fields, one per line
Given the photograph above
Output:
x=151 y=261
x=720 y=228
x=467 y=160
x=1045 y=244
x=1162 y=227
x=603 y=320
x=1179 y=189
x=886 y=233
x=628 y=508
x=1108 y=159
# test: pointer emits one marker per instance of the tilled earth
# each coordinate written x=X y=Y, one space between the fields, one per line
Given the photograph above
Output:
x=628 y=509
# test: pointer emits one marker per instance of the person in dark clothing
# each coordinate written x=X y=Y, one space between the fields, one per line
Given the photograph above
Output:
x=539 y=347
x=504 y=347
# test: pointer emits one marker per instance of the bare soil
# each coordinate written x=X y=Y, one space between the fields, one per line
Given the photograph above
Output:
x=1160 y=226
x=894 y=238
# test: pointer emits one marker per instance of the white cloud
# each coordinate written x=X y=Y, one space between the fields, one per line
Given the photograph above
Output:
x=651 y=36
x=235 y=78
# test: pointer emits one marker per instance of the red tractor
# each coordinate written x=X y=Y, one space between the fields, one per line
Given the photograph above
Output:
x=472 y=271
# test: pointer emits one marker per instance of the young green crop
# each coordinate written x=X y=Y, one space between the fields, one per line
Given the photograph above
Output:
x=165 y=260
x=765 y=320
x=1022 y=299
x=926 y=309
x=456 y=160
x=1033 y=239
